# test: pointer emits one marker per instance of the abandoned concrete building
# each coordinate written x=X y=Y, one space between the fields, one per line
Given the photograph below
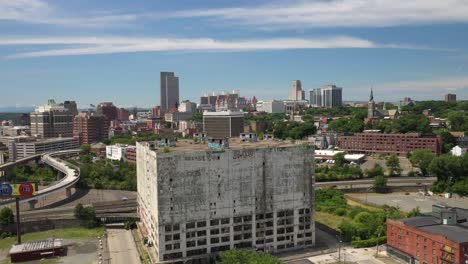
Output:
x=195 y=200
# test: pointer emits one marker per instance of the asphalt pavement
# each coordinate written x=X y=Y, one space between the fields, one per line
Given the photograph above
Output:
x=122 y=247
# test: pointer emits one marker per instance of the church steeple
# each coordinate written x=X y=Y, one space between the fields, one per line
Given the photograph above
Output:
x=371 y=105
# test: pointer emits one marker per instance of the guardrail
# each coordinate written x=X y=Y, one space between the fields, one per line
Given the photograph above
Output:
x=72 y=175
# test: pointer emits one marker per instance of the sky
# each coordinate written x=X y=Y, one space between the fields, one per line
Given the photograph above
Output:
x=113 y=50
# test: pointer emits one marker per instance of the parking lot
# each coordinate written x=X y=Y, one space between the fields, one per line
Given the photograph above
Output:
x=407 y=202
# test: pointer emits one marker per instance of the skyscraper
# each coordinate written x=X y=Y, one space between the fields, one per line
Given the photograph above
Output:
x=169 y=91
x=450 y=98
x=328 y=96
x=297 y=93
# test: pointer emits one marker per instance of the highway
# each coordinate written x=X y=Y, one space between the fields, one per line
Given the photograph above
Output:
x=391 y=182
x=72 y=175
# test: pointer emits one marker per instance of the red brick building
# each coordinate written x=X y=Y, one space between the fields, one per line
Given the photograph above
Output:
x=90 y=127
x=107 y=109
x=439 y=237
x=379 y=143
x=130 y=155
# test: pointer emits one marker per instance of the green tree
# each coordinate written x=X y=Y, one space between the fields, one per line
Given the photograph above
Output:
x=412 y=123
x=339 y=159
x=393 y=165
x=421 y=158
x=241 y=256
x=448 y=140
x=86 y=214
x=414 y=212
x=6 y=217
x=85 y=148
x=376 y=171
x=457 y=120
x=448 y=168
x=380 y=184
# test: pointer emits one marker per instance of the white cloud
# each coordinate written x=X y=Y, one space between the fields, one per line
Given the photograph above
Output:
x=297 y=14
x=41 y=12
x=339 y=13
x=108 y=45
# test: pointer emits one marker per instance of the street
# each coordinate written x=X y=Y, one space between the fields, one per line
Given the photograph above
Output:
x=122 y=247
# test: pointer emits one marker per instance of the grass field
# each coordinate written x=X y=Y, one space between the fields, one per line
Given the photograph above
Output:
x=70 y=233
x=330 y=220
x=363 y=205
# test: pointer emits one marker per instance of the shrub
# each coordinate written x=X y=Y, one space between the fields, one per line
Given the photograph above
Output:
x=340 y=211
x=369 y=242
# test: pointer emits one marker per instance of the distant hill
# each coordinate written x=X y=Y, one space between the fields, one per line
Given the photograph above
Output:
x=16 y=109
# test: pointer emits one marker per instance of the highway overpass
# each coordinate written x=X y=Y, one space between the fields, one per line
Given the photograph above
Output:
x=71 y=172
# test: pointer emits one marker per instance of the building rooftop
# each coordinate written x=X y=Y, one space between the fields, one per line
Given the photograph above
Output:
x=432 y=223
x=223 y=113
x=455 y=233
x=37 y=245
x=234 y=143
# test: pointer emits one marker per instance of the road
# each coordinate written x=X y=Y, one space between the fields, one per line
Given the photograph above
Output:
x=391 y=181
x=122 y=247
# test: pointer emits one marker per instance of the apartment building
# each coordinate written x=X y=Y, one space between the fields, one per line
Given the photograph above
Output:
x=374 y=142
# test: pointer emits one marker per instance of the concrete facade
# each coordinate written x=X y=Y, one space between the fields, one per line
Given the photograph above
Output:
x=274 y=106
x=194 y=202
x=31 y=146
x=52 y=120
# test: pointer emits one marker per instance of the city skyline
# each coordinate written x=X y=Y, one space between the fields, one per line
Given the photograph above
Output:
x=115 y=52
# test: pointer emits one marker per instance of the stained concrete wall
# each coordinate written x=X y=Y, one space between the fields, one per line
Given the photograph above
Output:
x=264 y=197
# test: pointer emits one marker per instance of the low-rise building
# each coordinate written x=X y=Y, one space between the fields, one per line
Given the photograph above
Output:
x=116 y=152
x=374 y=142
x=274 y=106
x=20 y=147
x=223 y=124
x=438 y=237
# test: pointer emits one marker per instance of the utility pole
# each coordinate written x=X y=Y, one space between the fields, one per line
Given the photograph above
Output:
x=18 y=224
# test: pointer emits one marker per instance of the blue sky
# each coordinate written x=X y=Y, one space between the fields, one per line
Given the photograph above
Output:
x=92 y=51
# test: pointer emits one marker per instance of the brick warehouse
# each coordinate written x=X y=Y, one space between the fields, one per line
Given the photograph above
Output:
x=372 y=142
x=439 y=237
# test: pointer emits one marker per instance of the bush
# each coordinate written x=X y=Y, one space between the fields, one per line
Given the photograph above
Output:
x=340 y=211
x=130 y=224
x=86 y=214
x=6 y=217
x=369 y=242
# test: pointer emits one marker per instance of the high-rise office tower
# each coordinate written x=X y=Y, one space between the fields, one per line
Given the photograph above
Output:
x=90 y=127
x=328 y=96
x=169 y=91
x=108 y=109
x=297 y=94
x=450 y=98
x=52 y=120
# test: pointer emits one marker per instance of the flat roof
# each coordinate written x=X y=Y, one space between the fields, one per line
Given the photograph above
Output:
x=223 y=113
x=186 y=145
x=36 y=245
x=452 y=232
